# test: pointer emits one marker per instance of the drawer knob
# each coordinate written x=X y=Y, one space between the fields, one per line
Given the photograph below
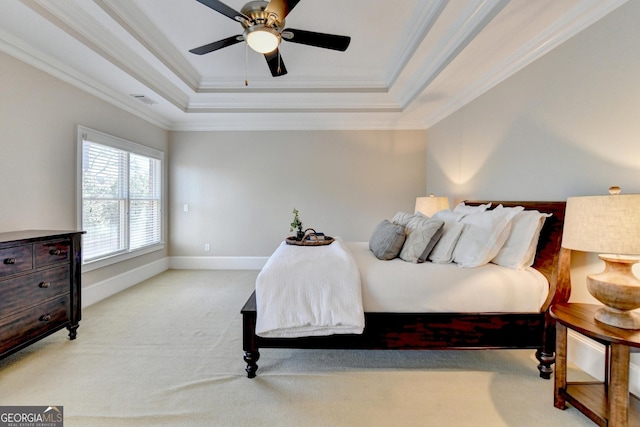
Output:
x=44 y=284
x=9 y=261
x=56 y=252
x=45 y=317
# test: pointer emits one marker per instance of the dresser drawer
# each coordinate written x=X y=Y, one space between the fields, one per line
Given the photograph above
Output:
x=52 y=252
x=15 y=260
x=33 y=289
x=31 y=323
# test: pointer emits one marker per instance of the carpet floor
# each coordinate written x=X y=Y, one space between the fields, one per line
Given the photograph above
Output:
x=168 y=352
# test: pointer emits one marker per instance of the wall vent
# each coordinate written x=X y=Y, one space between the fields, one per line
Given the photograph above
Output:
x=144 y=99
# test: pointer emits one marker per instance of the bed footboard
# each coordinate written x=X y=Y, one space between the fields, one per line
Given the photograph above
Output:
x=249 y=337
x=419 y=331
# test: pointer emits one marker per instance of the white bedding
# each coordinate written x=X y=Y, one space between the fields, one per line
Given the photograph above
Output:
x=399 y=286
x=309 y=291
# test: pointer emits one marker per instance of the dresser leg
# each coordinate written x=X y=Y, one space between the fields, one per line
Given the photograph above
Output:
x=73 y=331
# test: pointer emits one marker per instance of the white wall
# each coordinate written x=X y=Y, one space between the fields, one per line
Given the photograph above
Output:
x=241 y=187
x=566 y=125
x=38 y=118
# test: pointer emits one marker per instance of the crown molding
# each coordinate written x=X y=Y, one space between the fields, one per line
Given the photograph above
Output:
x=300 y=106
x=582 y=16
x=40 y=60
x=473 y=18
x=76 y=22
x=415 y=33
x=136 y=23
x=300 y=85
x=299 y=121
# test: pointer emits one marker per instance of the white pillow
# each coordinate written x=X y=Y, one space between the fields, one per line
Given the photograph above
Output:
x=466 y=209
x=442 y=252
x=483 y=236
x=519 y=250
x=422 y=235
x=448 y=216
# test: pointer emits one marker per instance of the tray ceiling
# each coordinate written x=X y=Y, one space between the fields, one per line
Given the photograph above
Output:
x=409 y=64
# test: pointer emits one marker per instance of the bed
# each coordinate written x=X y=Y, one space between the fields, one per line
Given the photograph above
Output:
x=530 y=329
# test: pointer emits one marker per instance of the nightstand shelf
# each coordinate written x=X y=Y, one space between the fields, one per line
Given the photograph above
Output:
x=606 y=403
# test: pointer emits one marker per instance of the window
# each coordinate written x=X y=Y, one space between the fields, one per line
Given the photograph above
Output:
x=121 y=197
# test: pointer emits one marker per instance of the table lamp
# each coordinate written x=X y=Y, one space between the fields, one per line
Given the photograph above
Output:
x=608 y=225
x=431 y=204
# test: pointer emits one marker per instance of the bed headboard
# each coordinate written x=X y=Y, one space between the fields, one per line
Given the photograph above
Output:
x=551 y=260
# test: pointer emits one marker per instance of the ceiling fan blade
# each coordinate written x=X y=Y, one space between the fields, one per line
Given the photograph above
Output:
x=327 y=41
x=276 y=65
x=281 y=7
x=229 y=41
x=227 y=11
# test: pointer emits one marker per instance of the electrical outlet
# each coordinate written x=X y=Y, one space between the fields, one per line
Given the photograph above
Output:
x=185 y=207
x=207 y=247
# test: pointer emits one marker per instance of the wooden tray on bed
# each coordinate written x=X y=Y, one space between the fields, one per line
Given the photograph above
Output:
x=311 y=238
x=292 y=241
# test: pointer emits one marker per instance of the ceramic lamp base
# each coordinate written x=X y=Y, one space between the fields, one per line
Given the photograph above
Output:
x=619 y=290
x=619 y=319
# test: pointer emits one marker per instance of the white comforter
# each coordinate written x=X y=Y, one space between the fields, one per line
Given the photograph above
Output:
x=309 y=291
x=397 y=286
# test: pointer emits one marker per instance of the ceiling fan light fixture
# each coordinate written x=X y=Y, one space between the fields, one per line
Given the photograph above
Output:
x=262 y=39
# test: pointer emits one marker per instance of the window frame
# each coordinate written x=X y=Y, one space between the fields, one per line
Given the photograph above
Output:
x=92 y=135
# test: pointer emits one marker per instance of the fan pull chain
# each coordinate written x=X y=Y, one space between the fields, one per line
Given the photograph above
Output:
x=279 y=69
x=246 y=66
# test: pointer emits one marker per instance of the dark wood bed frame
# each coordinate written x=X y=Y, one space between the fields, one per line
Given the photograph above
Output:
x=433 y=331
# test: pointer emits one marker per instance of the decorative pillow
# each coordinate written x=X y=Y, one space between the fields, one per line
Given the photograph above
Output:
x=386 y=240
x=519 y=250
x=442 y=252
x=448 y=216
x=402 y=218
x=466 y=209
x=422 y=235
x=483 y=236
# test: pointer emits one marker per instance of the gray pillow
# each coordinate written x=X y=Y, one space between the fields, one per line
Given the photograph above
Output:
x=387 y=240
x=422 y=235
x=402 y=218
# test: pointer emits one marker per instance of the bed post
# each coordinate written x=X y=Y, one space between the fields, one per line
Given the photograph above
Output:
x=560 y=291
x=251 y=357
x=249 y=344
x=547 y=355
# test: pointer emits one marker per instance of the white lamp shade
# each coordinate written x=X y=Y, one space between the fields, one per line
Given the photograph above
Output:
x=603 y=224
x=431 y=204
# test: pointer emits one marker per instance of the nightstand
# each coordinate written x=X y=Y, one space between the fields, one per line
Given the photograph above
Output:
x=607 y=403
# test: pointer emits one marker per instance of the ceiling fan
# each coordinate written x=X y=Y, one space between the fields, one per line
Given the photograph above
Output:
x=263 y=23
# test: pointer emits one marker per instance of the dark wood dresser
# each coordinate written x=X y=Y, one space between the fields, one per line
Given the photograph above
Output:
x=39 y=286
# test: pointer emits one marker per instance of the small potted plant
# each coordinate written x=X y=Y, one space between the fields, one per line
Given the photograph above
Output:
x=297 y=225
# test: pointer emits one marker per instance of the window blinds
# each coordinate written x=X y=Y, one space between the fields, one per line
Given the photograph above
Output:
x=121 y=200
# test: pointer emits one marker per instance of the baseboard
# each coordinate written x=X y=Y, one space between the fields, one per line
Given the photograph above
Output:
x=104 y=289
x=217 y=263
x=588 y=355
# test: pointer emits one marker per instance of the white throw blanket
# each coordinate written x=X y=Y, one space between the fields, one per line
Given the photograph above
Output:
x=309 y=291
